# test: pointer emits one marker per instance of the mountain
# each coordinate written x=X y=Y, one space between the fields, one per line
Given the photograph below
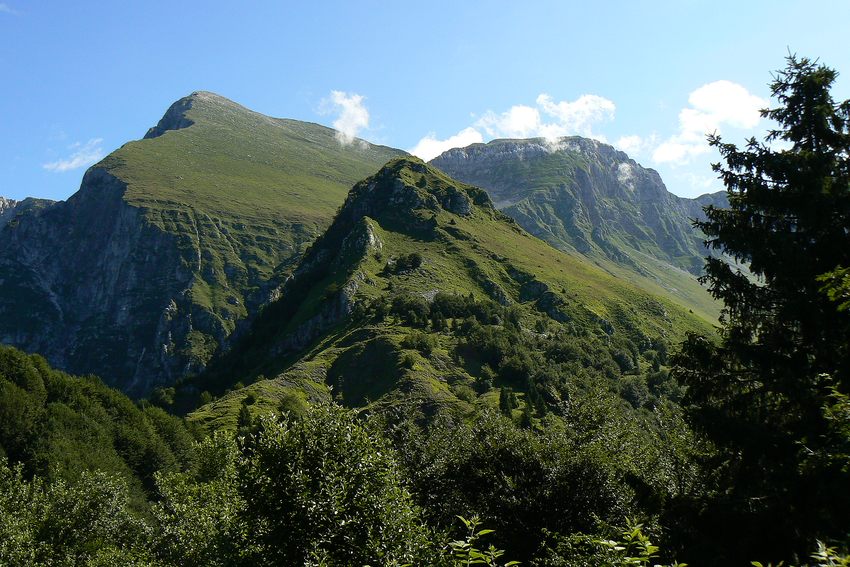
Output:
x=585 y=196
x=422 y=293
x=172 y=241
x=9 y=208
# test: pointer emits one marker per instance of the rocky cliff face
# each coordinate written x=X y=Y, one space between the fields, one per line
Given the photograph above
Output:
x=584 y=195
x=90 y=285
x=172 y=243
x=6 y=206
x=10 y=209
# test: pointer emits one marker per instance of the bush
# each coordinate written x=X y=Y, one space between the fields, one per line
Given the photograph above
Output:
x=423 y=342
x=324 y=488
x=407 y=262
x=412 y=309
x=64 y=523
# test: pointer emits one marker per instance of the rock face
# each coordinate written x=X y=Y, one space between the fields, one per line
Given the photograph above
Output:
x=6 y=206
x=88 y=281
x=582 y=195
x=11 y=209
x=172 y=243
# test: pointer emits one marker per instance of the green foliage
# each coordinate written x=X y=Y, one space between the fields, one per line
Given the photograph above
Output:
x=60 y=426
x=323 y=486
x=425 y=343
x=464 y=552
x=836 y=286
x=200 y=518
x=824 y=557
x=65 y=523
x=520 y=482
x=163 y=397
x=633 y=548
x=507 y=401
x=412 y=309
x=407 y=262
x=765 y=394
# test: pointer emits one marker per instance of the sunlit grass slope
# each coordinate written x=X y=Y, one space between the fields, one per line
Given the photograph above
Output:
x=322 y=336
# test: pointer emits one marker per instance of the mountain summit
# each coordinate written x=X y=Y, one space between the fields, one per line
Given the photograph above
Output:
x=172 y=241
x=585 y=196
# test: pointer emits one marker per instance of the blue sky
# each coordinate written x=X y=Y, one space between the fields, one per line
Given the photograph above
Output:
x=81 y=78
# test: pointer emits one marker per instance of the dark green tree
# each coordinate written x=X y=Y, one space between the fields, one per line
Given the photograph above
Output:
x=244 y=421
x=525 y=418
x=507 y=401
x=763 y=393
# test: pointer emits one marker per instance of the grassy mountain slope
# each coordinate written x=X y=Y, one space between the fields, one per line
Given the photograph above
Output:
x=172 y=240
x=422 y=293
x=583 y=196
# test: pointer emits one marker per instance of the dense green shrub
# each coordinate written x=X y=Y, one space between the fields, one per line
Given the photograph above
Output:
x=67 y=523
x=323 y=488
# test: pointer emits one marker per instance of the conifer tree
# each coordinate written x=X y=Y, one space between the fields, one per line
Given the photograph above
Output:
x=244 y=421
x=763 y=394
x=507 y=401
x=525 y=418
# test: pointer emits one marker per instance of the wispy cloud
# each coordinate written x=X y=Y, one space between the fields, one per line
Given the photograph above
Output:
x=82 y=155
x=636 y=146
x=352 y=114
x=549 y=119
x=6 y=9
x=430 y=147
x=632 y=145
x=546 y=119
x=712 y=106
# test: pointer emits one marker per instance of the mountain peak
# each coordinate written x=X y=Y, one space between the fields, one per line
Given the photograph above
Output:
x=10 y=208
x=586 y=196
x=407 y=183
x=533 y=147
x=176 y=117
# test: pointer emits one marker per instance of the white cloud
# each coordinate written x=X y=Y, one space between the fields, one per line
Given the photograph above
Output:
x=520 y=121
x=697 y=184
x=546 y=119
x=549 y=119
x=6 y=9
x=712 y=106
x=82 y=155
x=632 y=145
x=352 y=117
x=578 y=116
x=679 y=149
x=430 y=147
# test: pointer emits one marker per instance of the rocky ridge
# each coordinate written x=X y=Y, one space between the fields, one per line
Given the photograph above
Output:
x=172 y=242
x=585 y=195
